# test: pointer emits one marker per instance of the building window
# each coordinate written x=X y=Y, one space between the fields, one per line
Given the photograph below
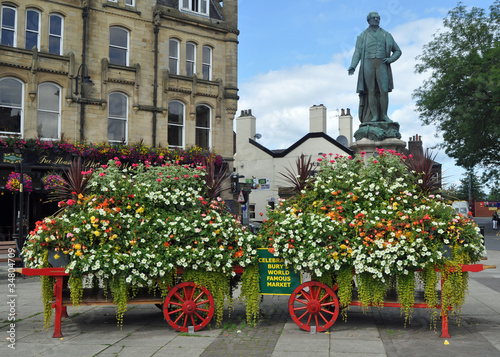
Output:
x=118 y=46
x=56 y=26
x=49 y=111
x=173 y=56
x=198 y=6
x=117 y=118
x=32 y=29
x=9 y=26
x=203 y=128
x=11 y=106
x=207 y=62
x=251 y=211
x=176 y=124
x=129 y=2
x=190 y=59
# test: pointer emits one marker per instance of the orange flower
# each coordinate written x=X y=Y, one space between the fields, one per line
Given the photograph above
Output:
x=166 y=244
x=238 y=254
x=271 y=250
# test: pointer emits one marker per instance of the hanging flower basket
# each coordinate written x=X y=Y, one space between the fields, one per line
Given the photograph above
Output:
x=51 y=182
x=14 y=182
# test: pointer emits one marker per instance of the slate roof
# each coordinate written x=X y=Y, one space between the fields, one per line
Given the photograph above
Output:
x=284 y=152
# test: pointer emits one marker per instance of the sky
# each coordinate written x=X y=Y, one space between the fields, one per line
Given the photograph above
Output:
x=294 y=54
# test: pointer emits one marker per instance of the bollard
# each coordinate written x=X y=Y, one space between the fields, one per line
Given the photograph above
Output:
x=313 y=330
x=190 y=329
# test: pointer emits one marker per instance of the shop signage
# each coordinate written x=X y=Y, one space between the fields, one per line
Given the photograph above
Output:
x=12 y=158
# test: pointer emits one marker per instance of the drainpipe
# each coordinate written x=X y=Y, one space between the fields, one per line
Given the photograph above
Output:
x=155 y=84
x=85 y=14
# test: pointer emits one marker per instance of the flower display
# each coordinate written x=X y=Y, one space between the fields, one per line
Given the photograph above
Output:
x=138 y=224
x=14 y=182
x=51 y=182
x=370 y=218
x=102 y=152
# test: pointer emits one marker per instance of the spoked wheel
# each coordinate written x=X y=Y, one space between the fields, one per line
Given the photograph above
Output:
x=188 y=304
x=314 y=304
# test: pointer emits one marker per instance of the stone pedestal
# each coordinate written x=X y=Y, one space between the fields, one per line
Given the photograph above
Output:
x=370 y=146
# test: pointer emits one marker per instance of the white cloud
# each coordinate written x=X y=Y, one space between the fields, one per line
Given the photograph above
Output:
x=280 y=99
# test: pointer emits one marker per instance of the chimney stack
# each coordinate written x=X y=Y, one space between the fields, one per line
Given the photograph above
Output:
x=317 y=119
x=345 y=125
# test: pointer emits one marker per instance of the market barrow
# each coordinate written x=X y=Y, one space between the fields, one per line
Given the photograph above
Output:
x=313 y=306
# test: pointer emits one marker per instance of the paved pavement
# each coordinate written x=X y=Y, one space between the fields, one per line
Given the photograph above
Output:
x=92 y=330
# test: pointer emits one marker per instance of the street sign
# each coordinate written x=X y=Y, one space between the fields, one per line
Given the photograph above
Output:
x=241 y=197
x=276 y=278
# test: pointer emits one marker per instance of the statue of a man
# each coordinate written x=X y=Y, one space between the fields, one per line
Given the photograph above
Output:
x=376 y=49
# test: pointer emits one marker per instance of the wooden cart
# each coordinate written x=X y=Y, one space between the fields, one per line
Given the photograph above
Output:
x=187 y=307
x=314 y=305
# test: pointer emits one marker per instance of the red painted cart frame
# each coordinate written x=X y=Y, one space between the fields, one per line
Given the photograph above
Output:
x=315 y=305
x=185 y=303
x=311 y=303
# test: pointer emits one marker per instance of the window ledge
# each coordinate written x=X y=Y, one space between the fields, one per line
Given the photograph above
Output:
x=124 y=68
x=126 y=8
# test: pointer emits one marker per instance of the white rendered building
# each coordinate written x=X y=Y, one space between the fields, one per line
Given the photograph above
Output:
x=262 y=166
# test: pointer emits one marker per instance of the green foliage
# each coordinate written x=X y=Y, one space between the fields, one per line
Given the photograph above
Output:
x=250 y=291
x=469 y=179
x=461 y=96
x=216 y=283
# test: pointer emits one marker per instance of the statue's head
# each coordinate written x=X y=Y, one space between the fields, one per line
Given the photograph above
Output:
x=372 y=15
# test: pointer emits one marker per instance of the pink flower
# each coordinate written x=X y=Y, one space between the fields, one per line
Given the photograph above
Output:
x=375 y=161
x=186 y=176
x=102 y=174
x=320 y=159
x=196 y=176
x=158 y=180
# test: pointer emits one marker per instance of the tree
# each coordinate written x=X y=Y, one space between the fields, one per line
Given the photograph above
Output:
x=470 y=180
x=462 y=96
x=494 y=192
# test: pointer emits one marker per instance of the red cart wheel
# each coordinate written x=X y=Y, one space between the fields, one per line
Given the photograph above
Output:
x=188 y=304
x=314 y=304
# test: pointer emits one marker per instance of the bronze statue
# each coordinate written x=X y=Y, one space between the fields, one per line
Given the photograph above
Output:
x=376 y=50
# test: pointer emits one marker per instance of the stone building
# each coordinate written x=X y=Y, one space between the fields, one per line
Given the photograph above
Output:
x=160 y=71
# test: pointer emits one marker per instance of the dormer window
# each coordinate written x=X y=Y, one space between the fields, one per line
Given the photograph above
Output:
x=198 y=6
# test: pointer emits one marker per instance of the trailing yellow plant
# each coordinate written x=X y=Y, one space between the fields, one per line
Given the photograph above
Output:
x=250 y=291
x=406 y=294
x=218 y=285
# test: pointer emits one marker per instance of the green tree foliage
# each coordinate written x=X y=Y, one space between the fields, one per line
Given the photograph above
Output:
x=477 y=187
x=462 y=96
x=494 y=191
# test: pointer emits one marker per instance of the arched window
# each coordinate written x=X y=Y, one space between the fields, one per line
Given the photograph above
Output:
x=207 y=63
x=56 y=26
x=49 y=111
x=173 y=56
x=118 y=45
x=117 y=118
x=32 y=29
x=176 y=124
x=190 y=59
x=11 y=106
x=9 y=26
x=203 y=127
